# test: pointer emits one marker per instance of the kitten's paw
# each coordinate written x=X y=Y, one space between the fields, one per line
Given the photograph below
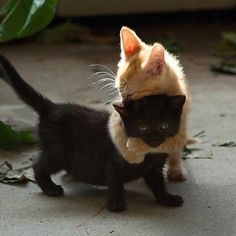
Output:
x=170 y=200
x=55 y=191
x=179 y=174
x=116 y=205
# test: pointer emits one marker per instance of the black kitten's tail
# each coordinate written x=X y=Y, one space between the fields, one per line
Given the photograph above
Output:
x=31 y=97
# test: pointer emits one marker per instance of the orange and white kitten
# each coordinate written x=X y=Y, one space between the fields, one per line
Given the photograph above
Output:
x=145 y=70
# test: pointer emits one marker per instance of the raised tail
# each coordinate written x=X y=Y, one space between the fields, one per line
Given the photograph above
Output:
x=30 y=96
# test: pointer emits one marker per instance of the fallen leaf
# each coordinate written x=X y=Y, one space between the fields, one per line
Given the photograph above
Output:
x=225 y=144
x=4 y=168
x=201 y=134
x=189 y=154
x=10 y=175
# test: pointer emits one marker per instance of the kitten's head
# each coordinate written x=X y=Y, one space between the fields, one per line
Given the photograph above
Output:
x=153 y=118
x=145 y=69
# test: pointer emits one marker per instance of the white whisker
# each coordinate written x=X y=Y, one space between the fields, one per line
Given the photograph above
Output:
x=103 y=80
x=113 y=92
x=111 y=88
x=106 y=80
x=107 y=85
x=101 y=73
x=105 y=68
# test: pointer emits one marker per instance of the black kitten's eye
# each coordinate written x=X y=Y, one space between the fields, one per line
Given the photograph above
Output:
x=164 y=126
x=143 y=128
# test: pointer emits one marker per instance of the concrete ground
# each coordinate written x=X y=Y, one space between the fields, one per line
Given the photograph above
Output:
x=62 y=73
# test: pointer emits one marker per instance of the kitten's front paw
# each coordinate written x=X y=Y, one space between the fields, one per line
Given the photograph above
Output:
x=170 y=200
x=54 y=191
x=177 y=174
x=116 y=205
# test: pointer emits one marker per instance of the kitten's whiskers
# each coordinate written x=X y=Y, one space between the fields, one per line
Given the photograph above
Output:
x=106 y=79
x=107 y=68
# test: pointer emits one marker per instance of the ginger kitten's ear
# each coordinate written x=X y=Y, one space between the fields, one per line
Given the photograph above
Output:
x=130 y=42
x=156 y=60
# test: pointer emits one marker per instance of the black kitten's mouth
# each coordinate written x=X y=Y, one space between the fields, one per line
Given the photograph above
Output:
x=155 y=142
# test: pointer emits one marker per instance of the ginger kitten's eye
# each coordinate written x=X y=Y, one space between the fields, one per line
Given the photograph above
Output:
x=164 y=127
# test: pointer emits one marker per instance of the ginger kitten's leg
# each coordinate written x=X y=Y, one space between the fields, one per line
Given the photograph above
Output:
x=175 y=167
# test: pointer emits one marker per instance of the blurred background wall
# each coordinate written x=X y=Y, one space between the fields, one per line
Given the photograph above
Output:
x=74 y=8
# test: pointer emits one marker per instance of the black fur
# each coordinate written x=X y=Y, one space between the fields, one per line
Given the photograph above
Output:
x=159 y=115
x=75 y=138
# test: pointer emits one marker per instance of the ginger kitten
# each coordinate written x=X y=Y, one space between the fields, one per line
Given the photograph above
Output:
x=146 y=70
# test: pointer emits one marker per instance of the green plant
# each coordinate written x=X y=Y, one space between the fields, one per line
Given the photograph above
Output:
x=21 y=18
x=226 y=46
x=11 y=139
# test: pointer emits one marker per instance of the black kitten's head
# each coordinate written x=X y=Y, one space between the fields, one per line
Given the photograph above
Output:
x=152 y=118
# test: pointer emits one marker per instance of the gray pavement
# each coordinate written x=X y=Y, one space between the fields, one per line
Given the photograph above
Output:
x=62 y=73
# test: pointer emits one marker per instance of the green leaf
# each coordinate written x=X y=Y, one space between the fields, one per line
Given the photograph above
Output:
x=5 y=8
x=226 y=46
x=26 y=137
x=172 y=45
x=230 y=38
x=23 y=18
x=10 y=139
x=169 y=42
x=41 y=14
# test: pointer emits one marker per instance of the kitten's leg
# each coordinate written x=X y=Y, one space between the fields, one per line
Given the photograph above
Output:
x=42 y=170
x=156 y=183
x=115 y=201
x=176 y=170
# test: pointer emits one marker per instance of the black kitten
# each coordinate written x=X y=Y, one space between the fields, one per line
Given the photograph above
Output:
x=76 y=139
x=152 y=118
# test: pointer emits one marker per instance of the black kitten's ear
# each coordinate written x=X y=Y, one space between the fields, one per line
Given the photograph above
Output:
x=177 y=102
x=119 y=107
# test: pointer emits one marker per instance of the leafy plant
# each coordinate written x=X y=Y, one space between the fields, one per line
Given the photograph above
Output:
x=169 y=42
x=10 y=139
x=21 y=18
x=65 y=32
x=227 y=45
x=226 y=48
x=172 y=45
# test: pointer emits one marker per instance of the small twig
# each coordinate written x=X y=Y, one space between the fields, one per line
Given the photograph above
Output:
x=86 y=221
